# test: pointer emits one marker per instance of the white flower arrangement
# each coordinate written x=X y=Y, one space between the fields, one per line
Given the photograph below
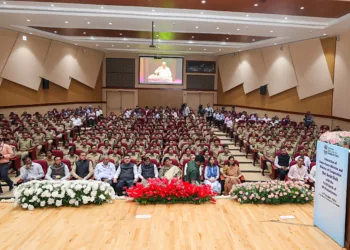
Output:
x=36 y=194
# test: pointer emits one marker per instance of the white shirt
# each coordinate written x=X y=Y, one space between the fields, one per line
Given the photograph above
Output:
x=313 y=173
x=34 y=172
x=104 y=171
x=186 y=111
x=76 y=121
x=163 y=72
x=209 y=111
x=229 y=124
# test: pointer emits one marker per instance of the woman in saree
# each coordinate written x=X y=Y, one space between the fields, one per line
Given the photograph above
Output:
x=232 y=175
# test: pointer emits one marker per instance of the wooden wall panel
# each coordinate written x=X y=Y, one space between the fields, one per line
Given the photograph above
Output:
x=15 y=94
x=230 y=71
x=287 y=100
x=60 y=63
x=311 y=68
x=172 y=98
x=89 y=62
x=26 y=60
x=7 y=41
x=329 y=46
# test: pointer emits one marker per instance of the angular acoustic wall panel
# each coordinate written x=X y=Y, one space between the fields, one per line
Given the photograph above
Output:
x=229 y=68
x=279 y=69
x=25 y=64
x=341 y=100
x=60 y=63
x=88 y=66
x=252 y=69
x=7 y=40
x=310 y=67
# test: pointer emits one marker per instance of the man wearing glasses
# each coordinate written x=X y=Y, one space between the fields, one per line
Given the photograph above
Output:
x=126 y=175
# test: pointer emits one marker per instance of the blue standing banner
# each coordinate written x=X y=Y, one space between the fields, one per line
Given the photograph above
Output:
x=330 y=190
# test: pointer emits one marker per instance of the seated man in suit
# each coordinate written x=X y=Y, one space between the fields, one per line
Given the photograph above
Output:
x=147 y=170
x=126 y=175
x=83 y=168
x=58 y=171
x=282 y=163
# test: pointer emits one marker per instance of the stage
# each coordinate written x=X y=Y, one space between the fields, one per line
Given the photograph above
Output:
x=225 y=225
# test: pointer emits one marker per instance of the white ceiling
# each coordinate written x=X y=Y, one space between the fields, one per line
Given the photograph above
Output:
x=14 y=16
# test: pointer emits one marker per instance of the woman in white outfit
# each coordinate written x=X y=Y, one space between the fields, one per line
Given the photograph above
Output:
x=212 y=175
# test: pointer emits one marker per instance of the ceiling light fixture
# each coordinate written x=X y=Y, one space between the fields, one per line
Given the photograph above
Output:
x=238 y=29
x=256 y=5
x=128 y=46
x=84 y=33
x=271 y=31
x=97 y=45
x=196 y=27
x=101 y=8
x=189 y=48
x=76 y=44
x=226 y=38
x=190 y=41
x=112 y=45
x=203 y=1
x=286 y=18
x=120 y=34
x=275 y=43
x=4 y=2
x=88 y=22
x=52 y=5
x=302 y=8
x=66 y=21
x=28 y=20
x=154 y=25
x=192 y=36
x=219 y=49
x=55 y=32
x=153 y=10
x=217 y=28
x=205 y=49
x=253 y=40
x=125 y=38
x=247 y=15
x=325 y=34
x=110 y=23
x=202 y=13
x=24 y=38
x=30 y=33
x=239 y=50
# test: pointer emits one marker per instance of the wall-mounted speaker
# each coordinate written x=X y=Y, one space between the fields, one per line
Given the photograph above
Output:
x=46 y=84
x=263 y=90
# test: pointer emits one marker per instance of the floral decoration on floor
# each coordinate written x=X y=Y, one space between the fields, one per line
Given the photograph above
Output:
x=36 y=194
x=162 y=191
x=273 y=192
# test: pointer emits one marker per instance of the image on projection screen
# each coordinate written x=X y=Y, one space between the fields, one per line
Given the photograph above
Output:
x=167 y=70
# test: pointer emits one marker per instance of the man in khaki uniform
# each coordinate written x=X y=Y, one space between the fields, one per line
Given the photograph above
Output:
x=84 y=146
x=115 y=156
x=190 y=145
x=94 y=156
x=224 y=156
x=216 y=148
x=252 y=140
x=94 y=140
x=77 y=142
x=269 y=155
x=128 y=141
x=72 y=157
x=153 y=155
x=50 y=136
x=135 y=155
x=105 y=147
x=140 y=148
x=278 y=143
x=308 y=150
x=38 y=140
x=290 y=151
x=258 y=148
x=201 y=147
x=110 y=140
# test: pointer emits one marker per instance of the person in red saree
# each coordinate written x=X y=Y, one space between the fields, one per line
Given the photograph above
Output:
x=232 y=174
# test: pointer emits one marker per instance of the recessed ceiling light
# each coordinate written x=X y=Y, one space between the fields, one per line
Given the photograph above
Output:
x=124 y=38
x=202 y=12
x=192 y=36
x=4 y=2
x=203 y=1
x=196 y=27
x=31 y=33
x=92 y=38
x=238 y=29
x=219 y=49
x=154 y=25
x=310 y=31
x=102 y=8
x=247 y=15
x=88 y=22
x=76 y=44
x=275 y=43
x=66 y=21
x=217 y=28
x=84 y=33
x=28 y=20
x=174 y=23
x=129 y=46
x=97 y=45
x=227 y=38
x=325 y=34
x=112 y=45
x=271 y=31
x=153 y=10
x=205 y=49
x=120 y=34
x=302 y=8
x=189 y=48
x=253 y=40
x=256 y=5
x=55 y=32
x=110 y=23
x=190 y=41
x=286 y=18
x=24 y=38
x=52 y=5
x=239 y=50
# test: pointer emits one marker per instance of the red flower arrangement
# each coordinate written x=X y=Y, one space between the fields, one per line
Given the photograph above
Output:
x=169 y=192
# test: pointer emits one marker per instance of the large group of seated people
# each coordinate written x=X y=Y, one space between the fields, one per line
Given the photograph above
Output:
x=143 y=143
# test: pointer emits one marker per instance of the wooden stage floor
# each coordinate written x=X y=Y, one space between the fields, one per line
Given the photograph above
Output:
x=224 y=225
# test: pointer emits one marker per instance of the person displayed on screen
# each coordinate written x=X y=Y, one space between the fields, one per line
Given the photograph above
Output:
x=163 y=71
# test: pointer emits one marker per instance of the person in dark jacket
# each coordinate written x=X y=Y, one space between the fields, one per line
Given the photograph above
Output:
x=83 y=168
x=192 y=172
x=282 y=163
x=126 y=175
x=147 y=170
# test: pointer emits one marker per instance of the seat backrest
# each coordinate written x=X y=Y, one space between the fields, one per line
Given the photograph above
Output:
x=58 y=153
x=292 y=163
x=43 y=164
x=67 y=162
